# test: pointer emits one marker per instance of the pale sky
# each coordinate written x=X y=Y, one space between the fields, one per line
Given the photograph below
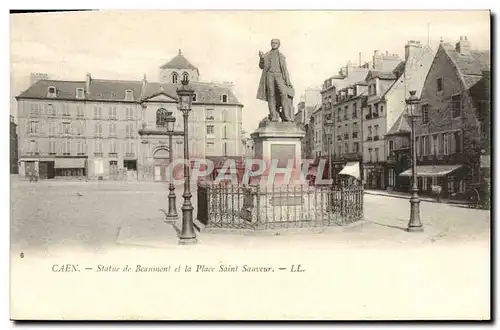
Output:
x=223 y=45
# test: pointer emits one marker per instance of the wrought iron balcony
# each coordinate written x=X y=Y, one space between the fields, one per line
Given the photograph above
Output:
x=375 y=115
x=346 y=136
x=369 y=116
x=369 y=138
x=355 y=134
x=376 y=138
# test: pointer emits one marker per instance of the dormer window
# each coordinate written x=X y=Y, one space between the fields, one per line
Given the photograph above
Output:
x=185 y=76
x=224 y=98
x=128 y=95
x=51 y=91
x=175 y=78
x=79 y=93
x=194 y=97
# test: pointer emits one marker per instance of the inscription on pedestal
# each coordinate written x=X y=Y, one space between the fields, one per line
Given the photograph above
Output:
x=282 y=152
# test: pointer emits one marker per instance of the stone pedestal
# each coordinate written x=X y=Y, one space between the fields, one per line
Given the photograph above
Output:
x=279 y=142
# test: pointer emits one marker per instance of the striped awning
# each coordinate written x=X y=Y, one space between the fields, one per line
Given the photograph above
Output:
x=432 y=170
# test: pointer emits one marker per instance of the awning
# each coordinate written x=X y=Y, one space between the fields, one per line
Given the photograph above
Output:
x=432 y=170
x=69 y=163
x=351 y=169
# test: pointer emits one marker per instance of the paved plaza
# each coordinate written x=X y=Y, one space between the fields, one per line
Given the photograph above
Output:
x=373 y=270
x=51 y=214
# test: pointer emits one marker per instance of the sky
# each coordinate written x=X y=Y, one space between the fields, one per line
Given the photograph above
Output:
x=224 y=45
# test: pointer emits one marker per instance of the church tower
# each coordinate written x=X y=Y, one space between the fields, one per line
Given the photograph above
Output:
x=173 y=71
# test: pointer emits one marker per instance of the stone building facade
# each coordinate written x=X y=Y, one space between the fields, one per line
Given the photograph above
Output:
x=452 y=132
x=110 y=129
x=14 y=168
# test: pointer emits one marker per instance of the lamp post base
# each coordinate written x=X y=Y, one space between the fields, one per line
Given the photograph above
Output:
x=415 y=225
x=415 y=229
x=187 y=241
x=172 y=212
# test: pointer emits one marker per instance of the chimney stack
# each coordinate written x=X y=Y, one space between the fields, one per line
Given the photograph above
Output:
x=360 y=59
x=412 y=47
x=463 y=46
x=87 y=83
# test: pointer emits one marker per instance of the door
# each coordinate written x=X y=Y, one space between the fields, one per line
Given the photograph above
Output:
x=113 y=170
x=158 y=176
x=43 y=170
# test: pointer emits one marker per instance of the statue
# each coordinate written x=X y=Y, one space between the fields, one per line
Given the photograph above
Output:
x=275 y=86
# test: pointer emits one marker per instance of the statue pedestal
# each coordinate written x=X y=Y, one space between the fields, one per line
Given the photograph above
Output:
x=279 y=143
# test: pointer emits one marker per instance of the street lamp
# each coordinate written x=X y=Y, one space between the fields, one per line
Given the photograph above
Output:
x=413 y=112
x=328 y=130
x=187 y=235
x=172 y=211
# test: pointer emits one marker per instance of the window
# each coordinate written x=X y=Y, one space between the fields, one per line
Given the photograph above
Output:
x=374 y=89
x=185 y=76
x=435 y=144
x=376 y=155
x=33 y=127
x=457 y=139
x=194 y=97
x=129 y=130
x=417 y=145
x=391 y=147
x=98 y=129
x=112 y=129
x=425 y=113
x=128 y=95
x=210 y=130
x=356 y=147
x=346 y=147
x=129 y=147
x=66 y=128
x=129 y=113
x=446 y=144
x=51 y=110
x=79 y=111
x=161 y=117
x=425 y=151
x=375 y=109
x=376 y=130
x=369 y=131
x=224 y=98
x=112 y=147
x=224 y=148
x=370 y=90
x=79 y=93
x=224 y=132
x=451 y=185
x=339 y=114
x=51 y=91
x=97 y=112
x=52 y=128
x=175 y=78
x=346 y=109
x=52 y=147
x=98 y=147
x=354 y=110
x=370 y=150
x=440 y=144
x=210 y=145
x=224 y=115
x=439 y=84
x=355 y=127
x=456 y=103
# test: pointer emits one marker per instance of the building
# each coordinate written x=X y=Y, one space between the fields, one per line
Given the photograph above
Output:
x=112 y=129
x=453 y=132
x=347 y=139
x=317 y=131
x=387 y=91
x=398 y=150
x=14 y=169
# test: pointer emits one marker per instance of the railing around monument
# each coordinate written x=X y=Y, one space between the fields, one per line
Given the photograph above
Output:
x=283 y=206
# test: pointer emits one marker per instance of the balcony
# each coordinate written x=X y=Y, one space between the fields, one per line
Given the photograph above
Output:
x=210 y=117
x=80 y=153
x=351 y=156
x=368 y=117
x=52 y=153
x=369 y=138
x=355 y=135
x=375 y=115
x=376 y=138
x=66 y=153
x=129 y=154
x=112 y=154
x=98 y=154
x=346 y=136
x=339 y=137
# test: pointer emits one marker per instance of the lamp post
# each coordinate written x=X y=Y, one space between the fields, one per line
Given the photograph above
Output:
x=328 y=131
x=187 y=235
x=172 y=211
x=413 y=111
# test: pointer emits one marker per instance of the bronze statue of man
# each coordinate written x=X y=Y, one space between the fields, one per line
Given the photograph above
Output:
x=275 y=86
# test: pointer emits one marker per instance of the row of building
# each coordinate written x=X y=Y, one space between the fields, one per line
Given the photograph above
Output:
x=367 y=106
x=111 y=129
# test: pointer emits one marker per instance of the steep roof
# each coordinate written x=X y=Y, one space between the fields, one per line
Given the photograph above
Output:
x=114 y=90
x=401 y=125
x=470 y=65
x=179 y=62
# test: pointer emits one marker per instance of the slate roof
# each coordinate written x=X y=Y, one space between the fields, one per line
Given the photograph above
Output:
x=401 y=125
x=114 y=90
x=471 y=65
x=381 y=75
x=179 y=62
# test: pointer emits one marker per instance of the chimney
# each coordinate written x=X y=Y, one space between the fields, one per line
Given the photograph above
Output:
x=360 y=59
x=463 y=46
x=412 y=47
x=87 y=83
x=377 y=60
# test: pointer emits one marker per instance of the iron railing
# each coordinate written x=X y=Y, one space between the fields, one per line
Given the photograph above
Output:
x=283 y=206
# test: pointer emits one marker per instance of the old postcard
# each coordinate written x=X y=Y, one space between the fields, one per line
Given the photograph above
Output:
x=250 y=165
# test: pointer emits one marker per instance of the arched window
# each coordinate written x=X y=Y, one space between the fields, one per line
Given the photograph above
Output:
x=175 y=77
x=161 y=116
x=185 y=76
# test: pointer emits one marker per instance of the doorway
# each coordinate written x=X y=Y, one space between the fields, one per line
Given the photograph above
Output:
x=162 y=161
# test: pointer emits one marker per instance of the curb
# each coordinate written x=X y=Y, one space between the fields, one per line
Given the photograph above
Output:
x=424 y=199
